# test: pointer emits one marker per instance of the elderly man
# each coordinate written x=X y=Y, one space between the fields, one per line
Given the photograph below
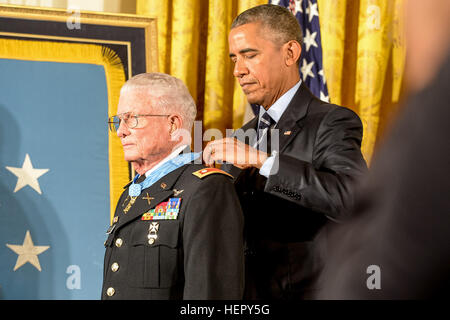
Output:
x=171 y=237
x=287 y=195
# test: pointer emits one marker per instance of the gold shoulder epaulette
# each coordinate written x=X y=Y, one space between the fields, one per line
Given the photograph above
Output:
x=207 y=171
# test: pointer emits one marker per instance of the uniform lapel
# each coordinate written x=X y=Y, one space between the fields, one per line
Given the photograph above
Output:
x=150 y=197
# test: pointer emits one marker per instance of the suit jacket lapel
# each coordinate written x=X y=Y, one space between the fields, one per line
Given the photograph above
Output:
x=253 y=125
x=288 y=125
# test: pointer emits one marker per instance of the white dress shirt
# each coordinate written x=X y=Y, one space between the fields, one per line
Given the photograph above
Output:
x=275 y=112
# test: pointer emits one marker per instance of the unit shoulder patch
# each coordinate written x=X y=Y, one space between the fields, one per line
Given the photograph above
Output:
x=208 y=171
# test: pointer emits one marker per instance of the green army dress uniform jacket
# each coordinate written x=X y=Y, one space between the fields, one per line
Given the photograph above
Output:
x=198 y=255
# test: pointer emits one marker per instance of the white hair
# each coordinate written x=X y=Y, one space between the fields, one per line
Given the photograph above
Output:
x=171 y=94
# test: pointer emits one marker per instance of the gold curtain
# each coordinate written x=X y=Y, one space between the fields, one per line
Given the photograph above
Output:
x=363 y=52
x=193 y=46
x=364 y=56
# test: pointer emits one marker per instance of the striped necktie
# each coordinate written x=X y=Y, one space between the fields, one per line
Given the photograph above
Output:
x=265 y=124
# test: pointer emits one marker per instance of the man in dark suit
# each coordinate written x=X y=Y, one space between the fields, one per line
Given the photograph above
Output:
x=397 y=244
x=289 y=191
x=177 y=232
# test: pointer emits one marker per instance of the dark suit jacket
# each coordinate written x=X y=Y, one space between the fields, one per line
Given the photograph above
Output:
x=319 y=161
x=402 y=215
x=197 y=256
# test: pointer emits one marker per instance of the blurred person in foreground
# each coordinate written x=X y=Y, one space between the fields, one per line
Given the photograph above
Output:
x=397 y=243
x=177 y=232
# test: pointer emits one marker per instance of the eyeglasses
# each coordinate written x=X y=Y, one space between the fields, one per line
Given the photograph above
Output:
x=129 y=119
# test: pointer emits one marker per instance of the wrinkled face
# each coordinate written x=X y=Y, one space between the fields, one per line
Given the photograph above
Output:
x=258 y=63
x=151 y=137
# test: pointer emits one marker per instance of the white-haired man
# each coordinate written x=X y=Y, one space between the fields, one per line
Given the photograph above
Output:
x=171 y=238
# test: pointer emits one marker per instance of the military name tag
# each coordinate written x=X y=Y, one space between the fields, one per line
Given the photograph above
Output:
x=164 y=211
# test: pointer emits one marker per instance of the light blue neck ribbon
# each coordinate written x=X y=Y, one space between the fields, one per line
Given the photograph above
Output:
x=135 y=189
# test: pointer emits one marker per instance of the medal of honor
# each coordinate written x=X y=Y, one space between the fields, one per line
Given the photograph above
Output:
x=134 y=190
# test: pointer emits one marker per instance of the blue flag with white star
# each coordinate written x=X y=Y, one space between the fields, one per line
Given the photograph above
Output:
x=311 y=67
x=54 y=180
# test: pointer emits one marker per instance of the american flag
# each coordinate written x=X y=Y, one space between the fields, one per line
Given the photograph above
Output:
x=311 y=67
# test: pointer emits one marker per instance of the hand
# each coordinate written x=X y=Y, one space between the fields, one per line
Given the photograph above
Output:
x=233 y=151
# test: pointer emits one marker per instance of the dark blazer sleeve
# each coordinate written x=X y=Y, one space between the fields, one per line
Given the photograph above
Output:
x=213 y=242
x=325 y=185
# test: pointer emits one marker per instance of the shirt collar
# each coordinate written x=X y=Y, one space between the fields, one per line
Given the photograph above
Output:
x=278 y=108
x=171 y=156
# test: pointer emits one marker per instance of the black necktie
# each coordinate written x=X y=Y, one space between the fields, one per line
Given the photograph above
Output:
x=265 y=124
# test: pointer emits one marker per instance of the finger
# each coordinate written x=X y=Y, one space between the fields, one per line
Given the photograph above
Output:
x=207 y=154
x=233 y=151
x=214 y=152
x=205 y=157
